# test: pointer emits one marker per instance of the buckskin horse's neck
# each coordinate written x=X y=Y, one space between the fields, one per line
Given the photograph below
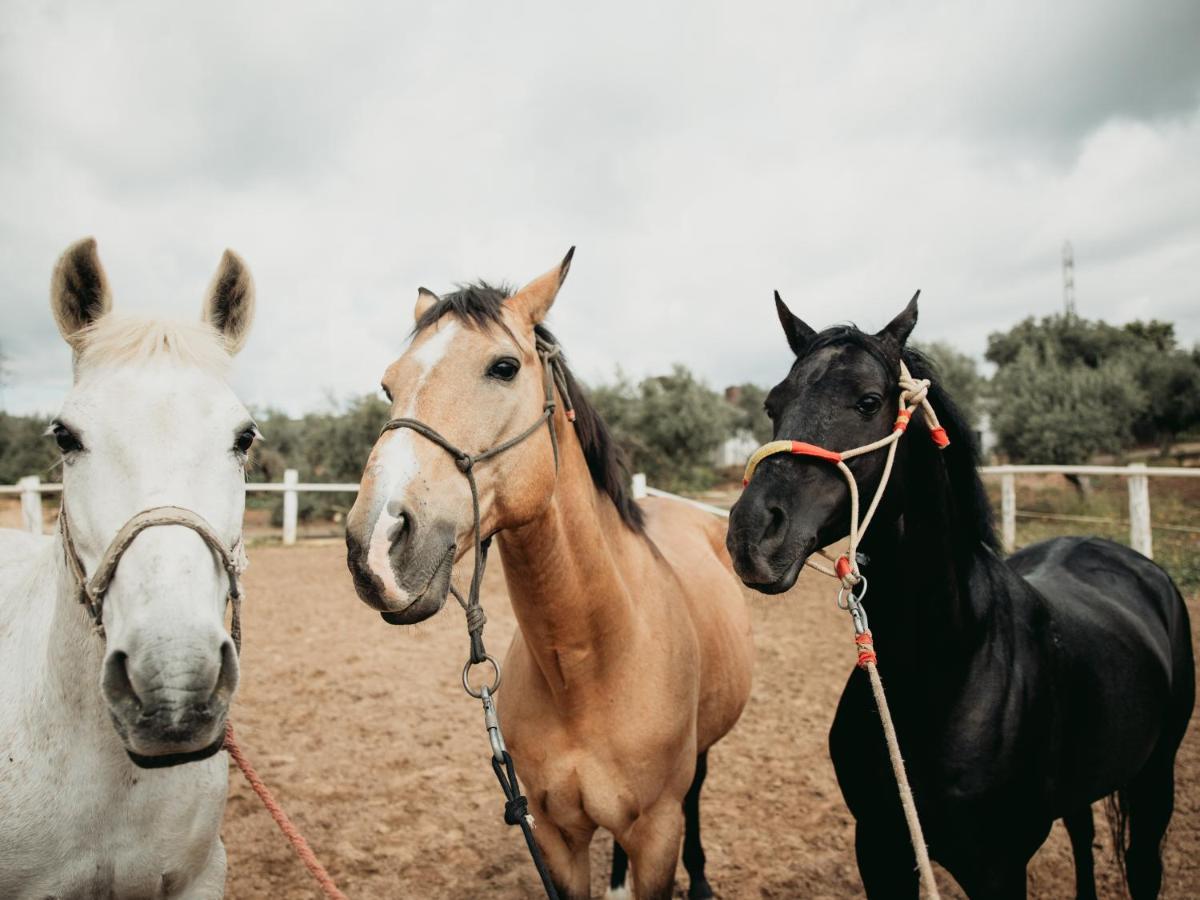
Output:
x=571 y=603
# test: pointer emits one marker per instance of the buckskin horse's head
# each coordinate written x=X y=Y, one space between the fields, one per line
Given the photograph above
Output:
x=474 y=374
x=841 y=393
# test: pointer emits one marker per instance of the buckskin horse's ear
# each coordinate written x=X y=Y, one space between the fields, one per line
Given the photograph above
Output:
x=425 y=301
x=797 y=330
x=229 y=302
x=536 y=298
x=901 y=327
x=79 y=293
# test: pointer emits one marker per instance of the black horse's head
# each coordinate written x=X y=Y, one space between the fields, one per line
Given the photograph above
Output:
x=841 y=393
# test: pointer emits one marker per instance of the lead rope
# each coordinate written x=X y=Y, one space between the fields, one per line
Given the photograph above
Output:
x=914 y=394
x=516 y=805
x=91 y=594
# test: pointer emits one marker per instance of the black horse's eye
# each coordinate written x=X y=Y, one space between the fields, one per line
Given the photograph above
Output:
x=245 y=440
x=66 y=439
x=505 y=369
x=869 y=405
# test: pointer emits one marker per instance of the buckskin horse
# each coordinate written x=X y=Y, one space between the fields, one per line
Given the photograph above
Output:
x=118 y=668
x=634 y=653
x=1023 y=689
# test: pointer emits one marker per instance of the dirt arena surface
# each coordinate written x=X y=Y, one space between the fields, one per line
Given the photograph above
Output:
x=364 y=732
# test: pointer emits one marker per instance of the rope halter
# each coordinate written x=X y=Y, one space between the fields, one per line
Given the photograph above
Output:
x=553 y=375
x=93 y=590
x=913 y=395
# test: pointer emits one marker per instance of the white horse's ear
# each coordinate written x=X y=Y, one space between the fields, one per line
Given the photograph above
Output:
x=425 y=301
x=79 y=292
x=536 y=298
x=229 y=301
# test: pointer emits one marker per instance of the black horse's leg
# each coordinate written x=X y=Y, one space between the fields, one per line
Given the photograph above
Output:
x=693 y=852
x=886 y=862
x=1082 y=830
x=1151 y=800
x=620 y=872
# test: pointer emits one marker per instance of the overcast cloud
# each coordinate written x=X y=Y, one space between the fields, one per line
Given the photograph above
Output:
x=699 y=155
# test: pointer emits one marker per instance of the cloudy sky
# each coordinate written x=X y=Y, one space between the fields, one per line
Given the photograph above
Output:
x=699 y=155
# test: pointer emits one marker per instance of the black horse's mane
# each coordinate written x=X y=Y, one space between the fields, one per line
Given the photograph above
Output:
x=481 y=305
x=975 y=523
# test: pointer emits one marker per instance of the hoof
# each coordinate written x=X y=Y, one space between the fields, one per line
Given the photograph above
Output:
x=700 y=890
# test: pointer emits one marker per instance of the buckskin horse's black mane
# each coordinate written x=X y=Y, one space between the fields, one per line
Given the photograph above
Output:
x=973 y=521
x=481 y=305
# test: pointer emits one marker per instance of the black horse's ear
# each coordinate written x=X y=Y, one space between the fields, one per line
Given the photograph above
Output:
x=798 y=333
x=898 y=330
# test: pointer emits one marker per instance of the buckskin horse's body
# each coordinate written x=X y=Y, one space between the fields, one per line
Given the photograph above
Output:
x=1023 y=690
x=634 y=652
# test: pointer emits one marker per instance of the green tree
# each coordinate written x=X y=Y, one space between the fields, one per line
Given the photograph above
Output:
x=25 y=449
x=751 y=416
x=959 y=376
x=1051 y=412
x=669 y=424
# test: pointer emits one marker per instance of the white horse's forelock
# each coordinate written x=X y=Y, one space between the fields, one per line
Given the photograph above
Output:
x=120 y=338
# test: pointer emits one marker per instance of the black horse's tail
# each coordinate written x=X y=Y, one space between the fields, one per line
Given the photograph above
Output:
x=1116 y=810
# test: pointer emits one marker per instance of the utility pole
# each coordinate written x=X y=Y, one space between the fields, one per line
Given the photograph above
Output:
x=1068 y=270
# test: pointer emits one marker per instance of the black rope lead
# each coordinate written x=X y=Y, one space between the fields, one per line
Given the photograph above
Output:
x=516 y=812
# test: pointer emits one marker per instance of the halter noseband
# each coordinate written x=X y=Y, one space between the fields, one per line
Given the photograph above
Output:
x=913 y=395
x=92 y=590
x=553 y=375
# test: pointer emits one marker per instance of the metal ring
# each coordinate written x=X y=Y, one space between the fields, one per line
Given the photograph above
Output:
x=478 y=694
x=858 y=598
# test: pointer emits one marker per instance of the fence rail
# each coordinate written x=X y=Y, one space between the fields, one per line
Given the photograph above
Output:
x=1137 y=475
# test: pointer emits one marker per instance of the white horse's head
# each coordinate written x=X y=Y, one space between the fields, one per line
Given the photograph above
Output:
x=149 y=422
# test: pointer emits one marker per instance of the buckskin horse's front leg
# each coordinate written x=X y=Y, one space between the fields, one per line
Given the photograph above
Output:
x=653 y=843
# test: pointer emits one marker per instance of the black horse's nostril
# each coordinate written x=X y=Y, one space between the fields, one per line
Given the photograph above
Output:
x=776 y=524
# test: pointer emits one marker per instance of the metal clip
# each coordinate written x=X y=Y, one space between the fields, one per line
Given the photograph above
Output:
x=852 y=603
x=491 y=722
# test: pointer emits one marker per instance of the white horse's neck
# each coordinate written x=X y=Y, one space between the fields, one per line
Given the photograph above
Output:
x=72 y=654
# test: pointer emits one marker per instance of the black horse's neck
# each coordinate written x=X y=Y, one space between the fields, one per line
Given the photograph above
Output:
x=932 y=541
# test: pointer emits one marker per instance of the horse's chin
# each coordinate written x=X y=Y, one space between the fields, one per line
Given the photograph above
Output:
x=782 y=584
x=422 y=608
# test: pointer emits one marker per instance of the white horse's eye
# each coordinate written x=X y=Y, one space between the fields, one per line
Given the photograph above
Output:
x=245 y=440
x=65 y=438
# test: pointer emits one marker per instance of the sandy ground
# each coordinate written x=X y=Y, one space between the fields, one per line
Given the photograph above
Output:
x=363 y=731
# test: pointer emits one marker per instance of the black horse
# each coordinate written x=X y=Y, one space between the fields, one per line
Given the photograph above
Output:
x=1022 y=689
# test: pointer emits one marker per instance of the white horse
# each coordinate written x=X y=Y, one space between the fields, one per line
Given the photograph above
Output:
x=111 y=783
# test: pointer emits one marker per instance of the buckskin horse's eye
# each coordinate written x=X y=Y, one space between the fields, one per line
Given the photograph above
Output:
x=505 y=369
x=869 y=405
x=66 y=439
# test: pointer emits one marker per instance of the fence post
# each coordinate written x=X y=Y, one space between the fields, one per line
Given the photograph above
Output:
x=639 y=486
x=31 y=503
x=290 y=506
x=1140 y=536
x=1008 y=511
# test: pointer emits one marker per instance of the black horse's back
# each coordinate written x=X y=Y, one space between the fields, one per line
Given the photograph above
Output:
x=1112 y=604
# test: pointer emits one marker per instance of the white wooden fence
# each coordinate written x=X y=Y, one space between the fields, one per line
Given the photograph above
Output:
x=1137 y=476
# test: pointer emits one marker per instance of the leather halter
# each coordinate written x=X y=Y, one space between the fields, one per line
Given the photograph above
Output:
x=553 y=375
x=91 y=591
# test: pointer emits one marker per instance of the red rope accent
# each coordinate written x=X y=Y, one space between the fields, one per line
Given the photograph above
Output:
x=299 y=844
x=866 y=649
x=842 y=566
x=902 y=420
x=939 y=437
x=802 y=449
